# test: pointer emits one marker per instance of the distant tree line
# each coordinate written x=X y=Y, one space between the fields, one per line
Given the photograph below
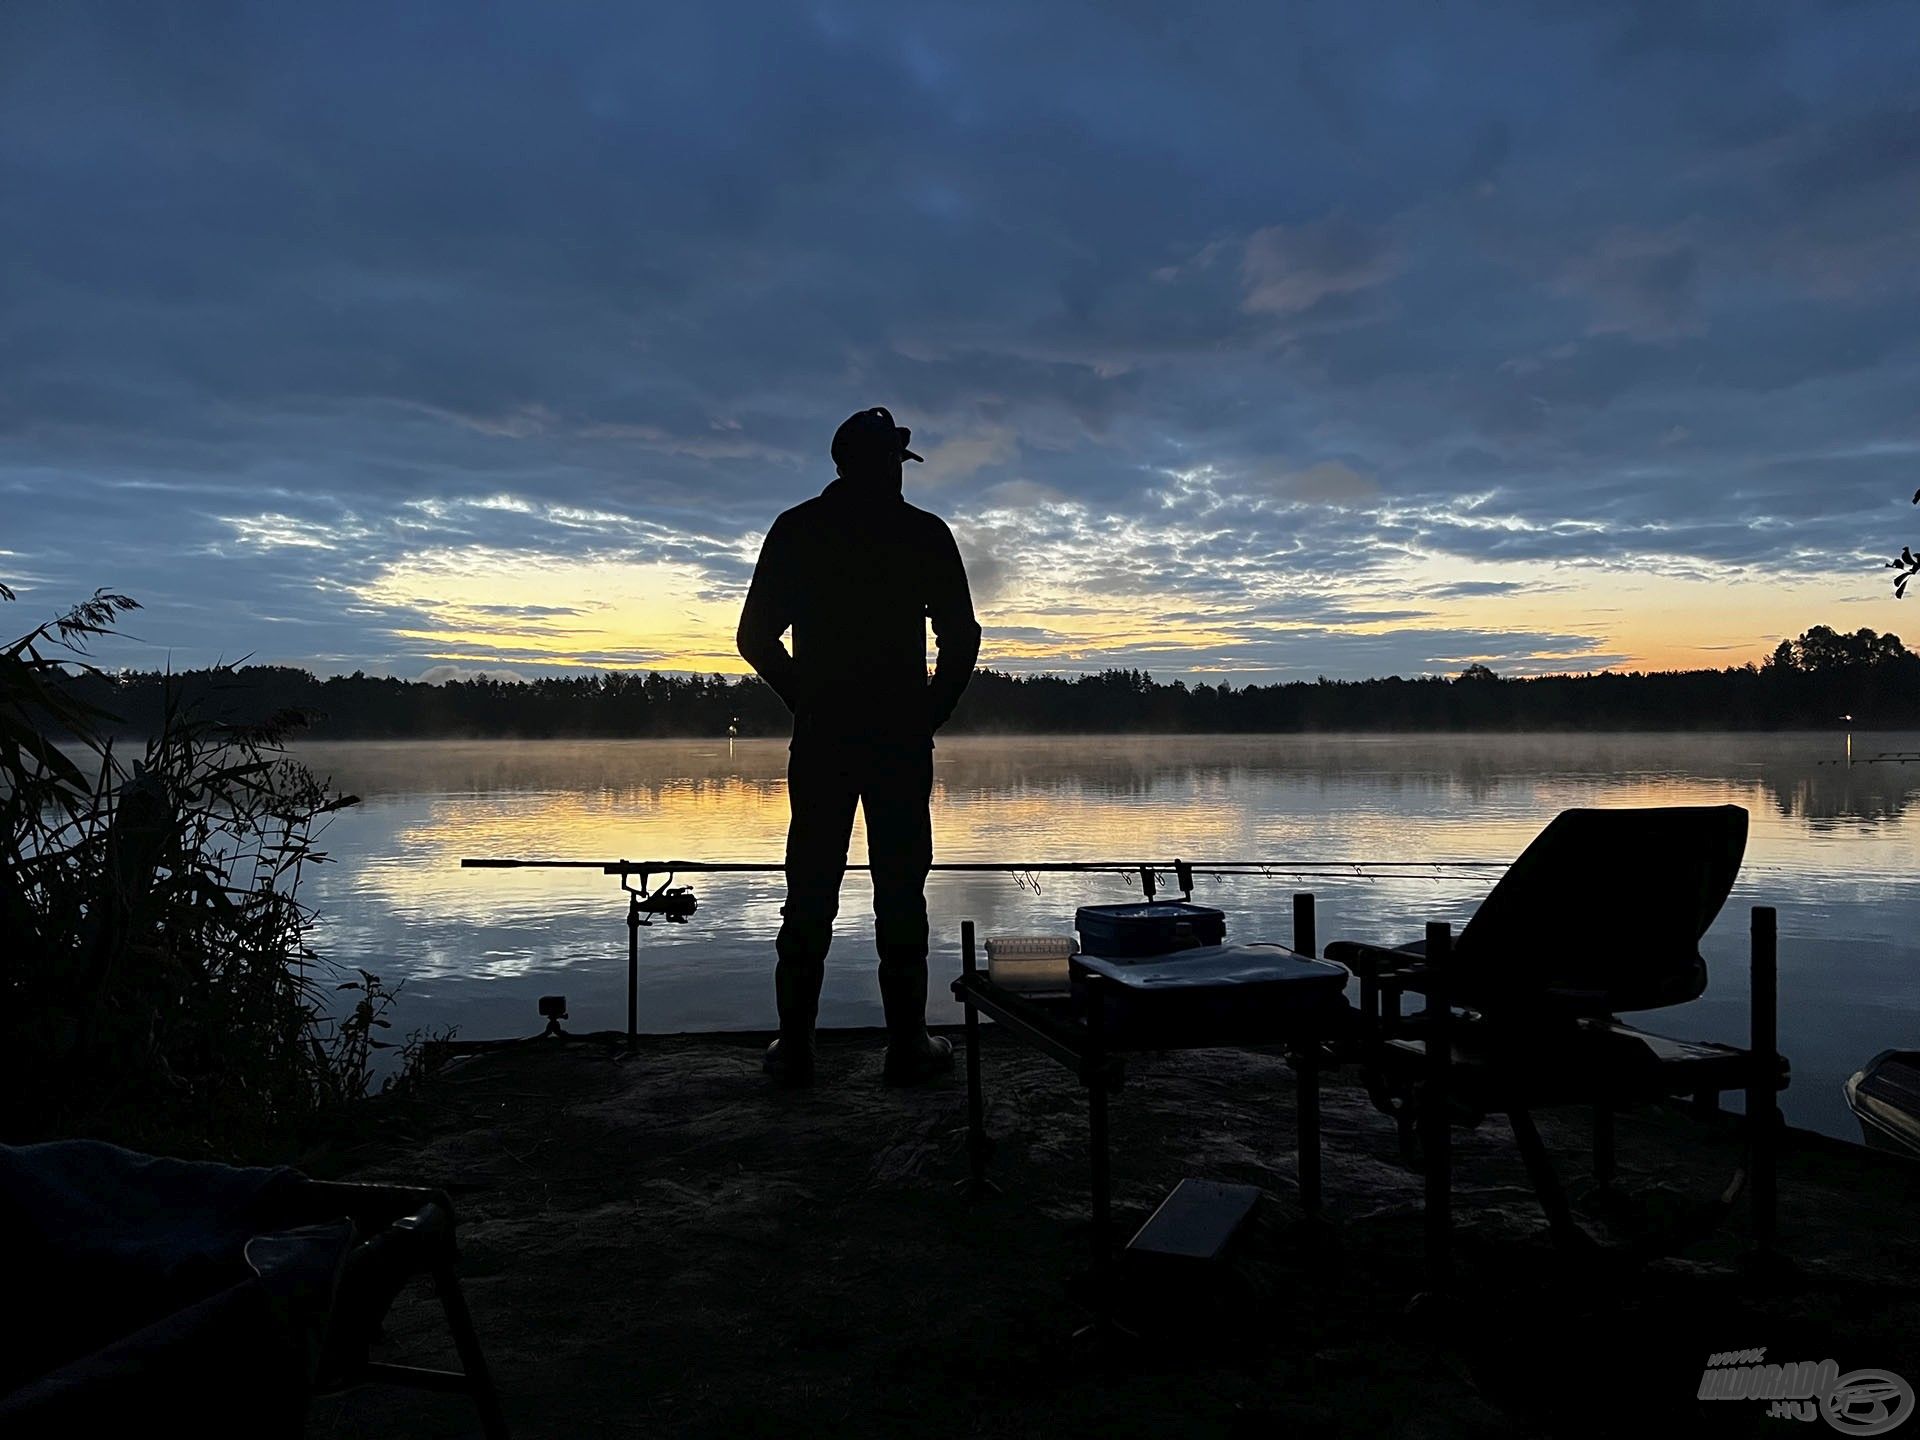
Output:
x=1811 y=682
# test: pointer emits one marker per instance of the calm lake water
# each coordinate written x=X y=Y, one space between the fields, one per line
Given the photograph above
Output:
x=1835 y=848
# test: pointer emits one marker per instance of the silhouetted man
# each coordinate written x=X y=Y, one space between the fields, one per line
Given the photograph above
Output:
x=858 y=572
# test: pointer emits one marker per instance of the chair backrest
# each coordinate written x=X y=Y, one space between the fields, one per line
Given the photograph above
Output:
x=1603 y=912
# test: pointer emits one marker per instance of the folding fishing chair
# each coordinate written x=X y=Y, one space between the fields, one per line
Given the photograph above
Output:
x=224 y=1295
x=1602 y=913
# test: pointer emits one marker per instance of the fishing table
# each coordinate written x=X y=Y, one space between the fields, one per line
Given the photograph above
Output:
x=1079 y=1032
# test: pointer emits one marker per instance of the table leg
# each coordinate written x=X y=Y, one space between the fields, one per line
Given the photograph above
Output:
x=1603 y=1144
x=1436 y=1119
x=1101 y=1167
x=976 y=1109
x=1307 y=1088
x=1100 y=1159
x=1763 y=1106
x=1102 y=1176
x=977 y=1143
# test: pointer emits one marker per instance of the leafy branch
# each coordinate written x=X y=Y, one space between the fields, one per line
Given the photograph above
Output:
x=157 y=984
x=1907 y=564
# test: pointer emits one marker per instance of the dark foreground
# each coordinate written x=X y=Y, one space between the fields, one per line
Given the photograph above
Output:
x=665 y=1246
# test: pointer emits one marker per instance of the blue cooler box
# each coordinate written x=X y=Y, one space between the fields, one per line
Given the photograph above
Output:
x=1214 y=995
x=1153 y=927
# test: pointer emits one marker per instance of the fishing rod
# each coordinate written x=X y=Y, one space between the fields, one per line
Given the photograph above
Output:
x=677 y=904
x=1121 y=867
x=645 y=902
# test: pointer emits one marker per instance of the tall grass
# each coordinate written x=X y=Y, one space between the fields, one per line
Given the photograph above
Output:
x=156 y=982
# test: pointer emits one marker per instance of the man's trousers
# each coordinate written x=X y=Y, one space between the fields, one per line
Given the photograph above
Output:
x=893 y=785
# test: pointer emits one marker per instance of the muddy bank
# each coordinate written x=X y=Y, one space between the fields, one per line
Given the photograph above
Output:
x=664 y=1245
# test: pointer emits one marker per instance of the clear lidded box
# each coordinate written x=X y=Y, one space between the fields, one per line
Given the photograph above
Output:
x=1030 y=962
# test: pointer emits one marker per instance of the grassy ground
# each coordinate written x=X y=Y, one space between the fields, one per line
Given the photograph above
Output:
x=664 y=1246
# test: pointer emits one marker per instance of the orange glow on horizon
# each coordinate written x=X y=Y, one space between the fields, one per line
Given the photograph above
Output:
x=478 y=606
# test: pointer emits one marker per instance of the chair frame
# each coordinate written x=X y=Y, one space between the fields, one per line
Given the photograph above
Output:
x=406 y=1232
x=1425 y=1086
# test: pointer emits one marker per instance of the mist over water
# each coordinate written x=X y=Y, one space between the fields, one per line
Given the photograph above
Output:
x=1834 y=848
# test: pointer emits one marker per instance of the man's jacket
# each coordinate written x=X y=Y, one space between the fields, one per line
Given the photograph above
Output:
x=857 y=573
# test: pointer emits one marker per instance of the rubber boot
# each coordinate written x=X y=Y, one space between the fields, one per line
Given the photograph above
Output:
x=789 y=1060
x=797 y=978
x=913 y=1056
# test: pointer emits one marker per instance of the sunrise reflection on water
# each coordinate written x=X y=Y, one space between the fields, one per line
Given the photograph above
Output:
x=1834 y=848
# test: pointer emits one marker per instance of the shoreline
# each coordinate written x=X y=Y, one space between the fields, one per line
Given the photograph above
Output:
x=665 y=1244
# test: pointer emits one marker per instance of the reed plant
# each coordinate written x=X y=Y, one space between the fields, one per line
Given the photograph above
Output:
x=157 y=985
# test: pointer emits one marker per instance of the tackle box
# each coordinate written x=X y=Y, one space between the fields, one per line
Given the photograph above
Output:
x=1212 y=995
x=1152 y=927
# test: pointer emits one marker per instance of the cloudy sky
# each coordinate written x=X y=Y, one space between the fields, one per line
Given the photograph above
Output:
x=1272 y=340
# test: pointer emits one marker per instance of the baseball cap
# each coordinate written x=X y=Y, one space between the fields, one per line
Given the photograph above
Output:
x=869 y=435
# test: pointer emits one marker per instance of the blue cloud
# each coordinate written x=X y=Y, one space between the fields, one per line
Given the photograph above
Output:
x=292 y=293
